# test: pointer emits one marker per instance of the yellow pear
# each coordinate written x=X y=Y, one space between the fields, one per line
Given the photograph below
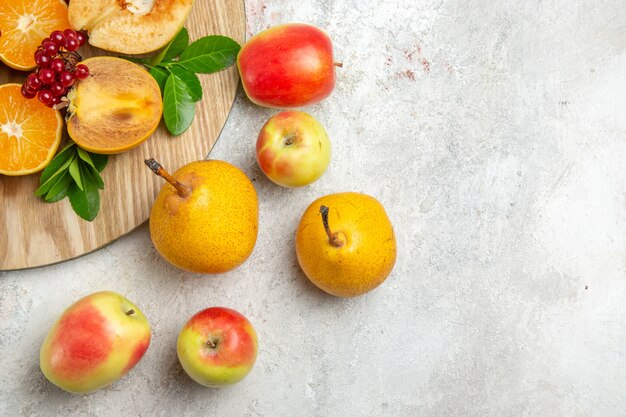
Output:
x=205 y=219
x=345 y=244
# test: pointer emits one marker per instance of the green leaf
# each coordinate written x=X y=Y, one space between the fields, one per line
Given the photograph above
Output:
x=94 y=175
x=84 y=155
x=177 y=46
x=75 y=173
x=91 y=168
x=160 y=75
x=178 y=106
x=209 y=54
x=45 y=187
x=89 y=165
x=60 y=189
x=86 y=202
x=57 y=162
x=173 y=49
x=52 y=179
x=191 y=81
x=99 y=161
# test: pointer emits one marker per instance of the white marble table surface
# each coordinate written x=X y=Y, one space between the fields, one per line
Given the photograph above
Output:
x=495 y=134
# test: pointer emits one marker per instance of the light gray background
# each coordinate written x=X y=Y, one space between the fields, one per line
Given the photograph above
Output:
x=494 y=133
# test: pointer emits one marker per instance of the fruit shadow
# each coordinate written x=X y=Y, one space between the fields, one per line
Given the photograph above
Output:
x=176 y=375
x=305 y=288
x=163 y=274
x=42 y=392
x=179 y=382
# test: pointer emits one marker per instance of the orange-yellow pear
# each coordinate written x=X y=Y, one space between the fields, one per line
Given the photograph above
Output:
x=205 y=219
x=345 y=244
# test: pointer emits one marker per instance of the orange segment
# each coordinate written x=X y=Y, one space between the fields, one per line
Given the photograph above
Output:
x=30 y=132
x=24 y=24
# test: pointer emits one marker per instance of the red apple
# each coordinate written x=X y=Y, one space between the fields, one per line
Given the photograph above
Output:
x=97 y=340
x=217 y=347
x=288 y=65
x=293 y=149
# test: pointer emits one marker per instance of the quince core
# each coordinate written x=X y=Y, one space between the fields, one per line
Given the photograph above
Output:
x=129 y=26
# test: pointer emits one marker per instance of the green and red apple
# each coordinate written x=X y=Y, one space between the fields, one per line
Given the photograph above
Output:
x=217 y=347
x=96 y=341
x=287 y=66
x=293 y=149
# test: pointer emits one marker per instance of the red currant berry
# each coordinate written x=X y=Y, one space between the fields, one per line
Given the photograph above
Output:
x=42 y=60
x=45 y=97
x=57 y=37
x=69 y=33
x=27 y=92
x=81 y=72
x=81 y=37
x=50 y=48
x=31 y=89
x=57 y=65
x=71 y=44
x=44 y=40
x=33 y=82
x=46 y=75
x=57 y=89
x=66 y=78
x=55 y=100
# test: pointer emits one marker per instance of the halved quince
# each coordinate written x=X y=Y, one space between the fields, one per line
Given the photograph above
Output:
x=129 y=26
x=116 y=108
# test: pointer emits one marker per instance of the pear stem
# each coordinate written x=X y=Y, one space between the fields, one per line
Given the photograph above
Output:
x=333 y=238
x=183 y=190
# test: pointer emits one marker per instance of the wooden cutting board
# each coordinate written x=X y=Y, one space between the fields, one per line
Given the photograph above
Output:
x=34 y=233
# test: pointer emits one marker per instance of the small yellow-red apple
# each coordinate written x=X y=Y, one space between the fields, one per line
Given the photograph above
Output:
x=217 y=347
x=97 y=340
x=293 y=149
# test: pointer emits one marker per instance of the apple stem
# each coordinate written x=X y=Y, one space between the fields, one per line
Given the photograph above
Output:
x=339 y=64
x=183 y=190
x=130 y=312
x=210 y=343
x=333 y=238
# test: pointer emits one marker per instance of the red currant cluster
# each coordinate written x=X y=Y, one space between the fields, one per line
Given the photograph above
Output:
x=58 y=68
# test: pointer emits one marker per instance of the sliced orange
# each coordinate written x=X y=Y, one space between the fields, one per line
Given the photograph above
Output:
x=24 y=24
x=30 y=132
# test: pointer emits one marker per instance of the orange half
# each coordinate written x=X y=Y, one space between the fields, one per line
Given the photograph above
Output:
x=24 y=24
x=30 y=132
